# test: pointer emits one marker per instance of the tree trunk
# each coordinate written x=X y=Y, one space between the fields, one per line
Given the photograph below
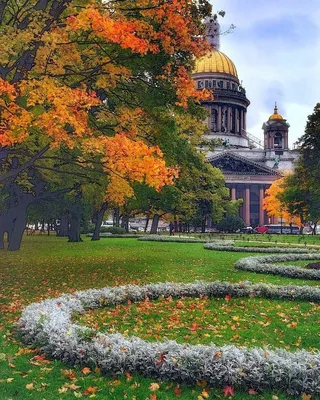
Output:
x=2 y=232
x=155 y=223
x=203 y=225
x=147 y=223
x=125 y=223
x=175 y=223
x=64 y=226
x=18 y=225
x=99 y=218
x=36 y=225
x=116 y=217
x=74 y=232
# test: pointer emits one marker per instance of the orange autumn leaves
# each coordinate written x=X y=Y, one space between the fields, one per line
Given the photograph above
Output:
x=273 y=205
x=56 y=110
x=166 y=26
x=50 y=103
x=130 y=160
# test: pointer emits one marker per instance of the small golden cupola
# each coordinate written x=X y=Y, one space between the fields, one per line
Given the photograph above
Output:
x=276 y=131
x=275 y=114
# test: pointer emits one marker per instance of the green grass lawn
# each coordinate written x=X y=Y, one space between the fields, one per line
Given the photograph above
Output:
x=46 y=267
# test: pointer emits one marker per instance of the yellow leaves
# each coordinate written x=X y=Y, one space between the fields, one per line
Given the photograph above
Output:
x=8 y=89
x=68 y=373
x=30 y=386
x=127 y=160
x=273 y=205
x=305 y=396
x=154 y=386
x=23 y=350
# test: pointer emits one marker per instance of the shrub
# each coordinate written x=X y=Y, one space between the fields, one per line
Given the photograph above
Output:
x=265 y=265
x=48 y=325
x=183 y=239
x=231 y=223
x=247 y=249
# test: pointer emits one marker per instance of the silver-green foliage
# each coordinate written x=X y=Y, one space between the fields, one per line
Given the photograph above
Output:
x=48 y=325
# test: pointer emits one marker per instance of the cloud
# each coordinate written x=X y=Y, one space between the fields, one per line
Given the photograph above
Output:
x=275 y=48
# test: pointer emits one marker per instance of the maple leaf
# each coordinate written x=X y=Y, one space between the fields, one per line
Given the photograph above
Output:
x=68 y=373
x=305 y=396
x=153 y=396
x=154 y=386
x=90 y=390
x=30 y=386
x=194 y=327
x=228 y=391
x=227 y=297
x=252 y=392
x=177 y=391
x=205 y=394
x=86 y=371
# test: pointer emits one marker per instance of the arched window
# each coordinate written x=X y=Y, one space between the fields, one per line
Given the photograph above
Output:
x=278 y=140
x=214 y=120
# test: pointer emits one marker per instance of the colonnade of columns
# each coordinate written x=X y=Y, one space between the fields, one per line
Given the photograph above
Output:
x=234 y=120
x=252 y=195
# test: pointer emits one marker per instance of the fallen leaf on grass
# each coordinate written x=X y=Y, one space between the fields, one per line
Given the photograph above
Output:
x=177 y=391
x=86 y=371
x=90 y=390
x=68 y=373
x=228 y=391
x=154 y=386
x=30 y=386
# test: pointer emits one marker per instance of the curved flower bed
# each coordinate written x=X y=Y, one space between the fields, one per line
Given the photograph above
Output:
x=248 y=249
x=48 y=325
x=184 y=239
x=265 y=265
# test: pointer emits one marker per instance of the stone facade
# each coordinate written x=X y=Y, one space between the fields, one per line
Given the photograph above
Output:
x=249 y=166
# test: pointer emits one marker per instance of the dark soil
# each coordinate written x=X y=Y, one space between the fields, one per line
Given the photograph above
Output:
x=313 y=265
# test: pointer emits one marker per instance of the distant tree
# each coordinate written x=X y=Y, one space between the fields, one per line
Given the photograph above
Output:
x=301 y=190
x=231 y=223
x=275 y=206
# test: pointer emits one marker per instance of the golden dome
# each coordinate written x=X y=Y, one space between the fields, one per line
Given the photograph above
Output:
x=215 y=61
x=275 y=114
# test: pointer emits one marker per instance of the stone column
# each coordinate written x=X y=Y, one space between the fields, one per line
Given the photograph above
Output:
x=245 y=120
x=219 y=119
x=286 y=144
x=246 y=206
x=229 y=120
x=261 y=211
x=237 y=120
x=233 y=193
x=241 y=122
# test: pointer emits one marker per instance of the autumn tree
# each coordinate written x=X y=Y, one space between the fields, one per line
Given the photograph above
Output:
x=275 y=206
x=79 y=82
x=302 y=189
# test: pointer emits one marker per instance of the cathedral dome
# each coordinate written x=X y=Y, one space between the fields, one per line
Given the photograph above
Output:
x=215 y=61
x=275 y=115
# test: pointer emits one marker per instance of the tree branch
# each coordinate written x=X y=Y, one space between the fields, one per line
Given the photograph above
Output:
x=28 y=164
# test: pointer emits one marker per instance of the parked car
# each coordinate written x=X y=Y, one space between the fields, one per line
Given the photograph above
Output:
x=247 y=229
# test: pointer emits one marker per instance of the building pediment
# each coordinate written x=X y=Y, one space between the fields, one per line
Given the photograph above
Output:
x=231 y=163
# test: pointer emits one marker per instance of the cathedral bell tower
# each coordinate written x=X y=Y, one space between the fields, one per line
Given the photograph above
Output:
x=276 y=131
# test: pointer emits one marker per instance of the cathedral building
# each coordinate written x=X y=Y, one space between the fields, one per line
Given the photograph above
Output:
x=248 y=164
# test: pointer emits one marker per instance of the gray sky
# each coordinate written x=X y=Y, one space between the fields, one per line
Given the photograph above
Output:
x=276 y=49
